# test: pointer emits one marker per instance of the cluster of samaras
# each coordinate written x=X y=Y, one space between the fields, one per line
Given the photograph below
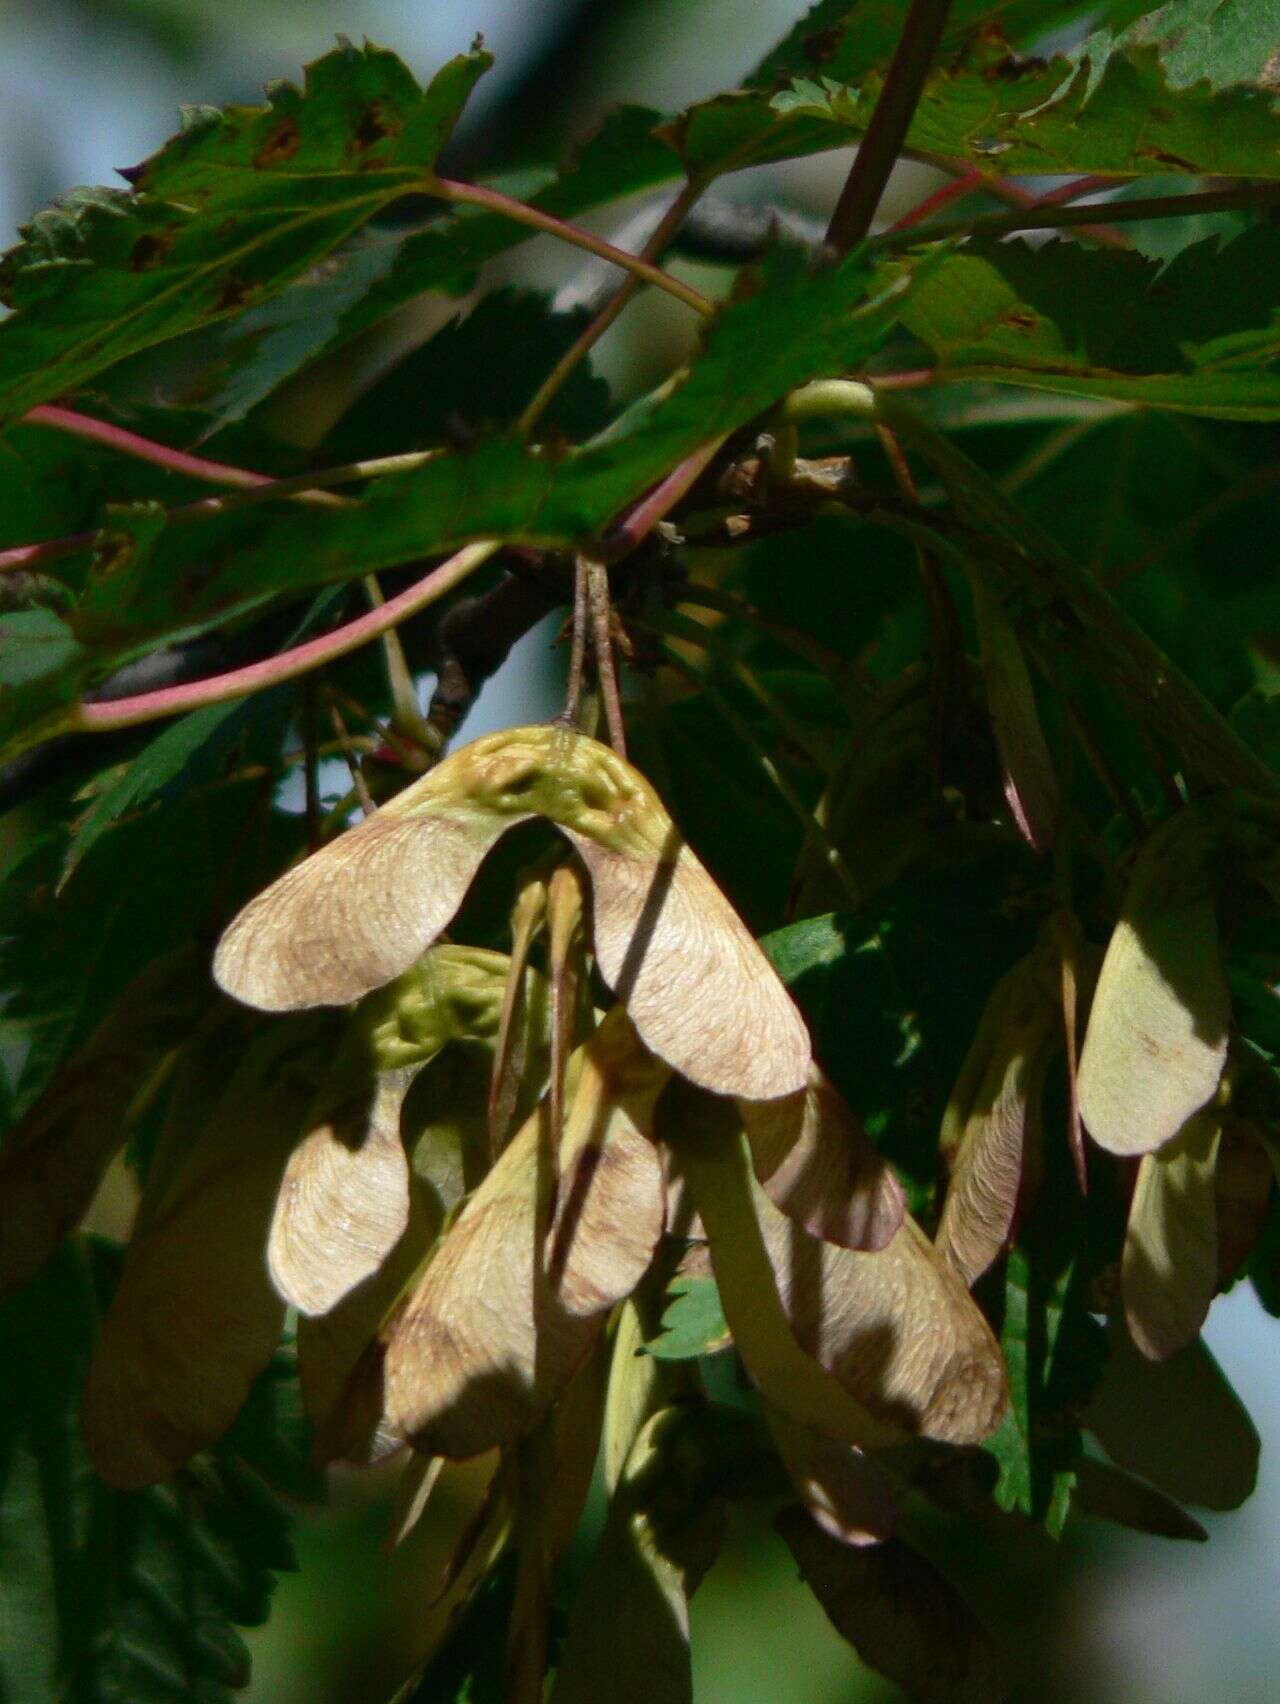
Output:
x=459 y=1167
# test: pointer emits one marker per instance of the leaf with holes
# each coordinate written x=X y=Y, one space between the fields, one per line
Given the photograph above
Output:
x=242 y=201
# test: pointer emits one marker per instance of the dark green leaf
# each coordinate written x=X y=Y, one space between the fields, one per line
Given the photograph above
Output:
x=1053 y=1351
x=186 y=752
x=796 y=324
x=155 y=883
x=382 y=268
x=239 y=203
x=891 y=993
x=1112 y=108
x=1168 y=511
x=41 y=665
x=469 y=1668
x=451 y=386
x=849 y=45
x=846 y=40
x=273 y=1436
x=1264 y=1264
x=714 y=784
x=104 y=1595
x=195 y=751
x=1201 y=334
x=693 y=1322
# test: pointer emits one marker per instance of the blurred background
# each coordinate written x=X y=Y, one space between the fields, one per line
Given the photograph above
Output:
x=87 y=86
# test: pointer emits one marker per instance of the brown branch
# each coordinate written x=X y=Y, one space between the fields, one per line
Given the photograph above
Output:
x=1055 y=217
x=881 y=145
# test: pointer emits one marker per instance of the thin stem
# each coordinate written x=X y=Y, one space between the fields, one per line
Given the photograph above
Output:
x=746 y=734
x=945 y=644
x=1058 y=608
x=1016 y=196
x=658 y=503
x=1096 y=756
x=31 y=555
x=238 y=683
x=676 y=626
x=602 y=642
x=1074 y=190
x=160 y=455
x=406 y=713
x=311 y=753
x=822 y=657
x=577 y=643
x=887 y=131
x=476 y=196
x=595 y=329
x=966 y=184
x=359 y=786
x=915 y=379
x=1037 y=218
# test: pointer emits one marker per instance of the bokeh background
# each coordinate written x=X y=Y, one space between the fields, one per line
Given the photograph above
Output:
x=87 y=86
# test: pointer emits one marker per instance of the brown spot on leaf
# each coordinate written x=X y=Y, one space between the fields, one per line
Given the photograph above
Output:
x=233 y=294
x=820 y=46
x=150 y=249
x=113 y=553
x=374 y=126
x=1020 y=319
x=1174 y=161
x=1011 y=68
x=282 y=143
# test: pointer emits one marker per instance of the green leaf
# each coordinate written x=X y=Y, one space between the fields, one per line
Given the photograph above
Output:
x=914 y=965
x=797 y=323
x=451 y=386
x=1168 y=511
x=846 y=40
x=693 y=1322
x=1112 y=108
x=239 y=203
x=1264 y=1263
x=469 y=1667
x=1204 y=40
x=106 y=1595
x=195 y=751
x=273 y=1435
x=184 y=754
x=67 y=955
x=1201 y=335
x=41 y=665
x=628 y=1637
x=713 y=783
x=1053 y=1351
x=850 y=44
x=380 y=269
